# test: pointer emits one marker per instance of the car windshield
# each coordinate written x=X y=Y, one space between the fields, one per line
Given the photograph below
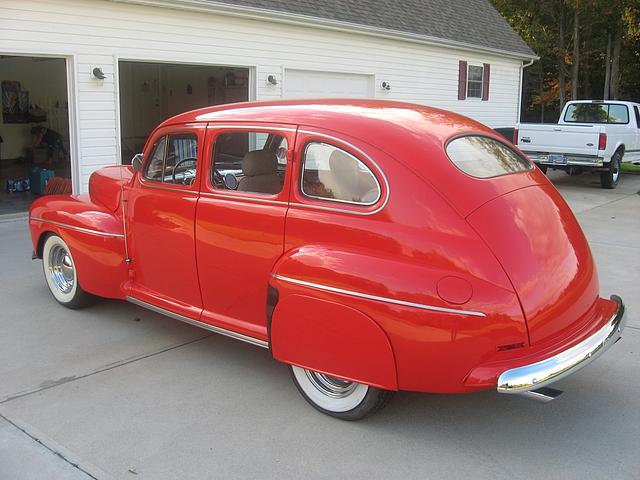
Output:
x=596 y=113
x=485 y=157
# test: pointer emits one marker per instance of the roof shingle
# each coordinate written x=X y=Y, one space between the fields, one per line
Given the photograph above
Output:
x=473 y=22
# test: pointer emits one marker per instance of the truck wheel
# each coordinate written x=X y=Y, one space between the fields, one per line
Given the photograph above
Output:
x=339 y=398
x=61 y=275
x=543 y=168
x=611 y=177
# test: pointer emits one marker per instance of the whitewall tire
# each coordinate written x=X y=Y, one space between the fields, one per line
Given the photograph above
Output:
x=336 y=397
x=61 y=274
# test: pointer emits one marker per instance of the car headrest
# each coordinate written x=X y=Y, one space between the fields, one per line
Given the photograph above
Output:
x=259 y=162
x=342 y=164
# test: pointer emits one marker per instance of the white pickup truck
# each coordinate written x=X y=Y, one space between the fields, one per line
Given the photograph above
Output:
x=592 y=135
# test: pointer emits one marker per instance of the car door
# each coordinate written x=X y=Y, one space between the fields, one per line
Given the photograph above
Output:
x=161 y=208
x=240 y=222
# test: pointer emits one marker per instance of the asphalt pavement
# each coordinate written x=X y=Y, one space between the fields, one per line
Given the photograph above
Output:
x=116 y=391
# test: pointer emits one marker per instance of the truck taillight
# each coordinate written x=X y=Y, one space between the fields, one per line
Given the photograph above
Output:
x=515 y=136
x=602 y=141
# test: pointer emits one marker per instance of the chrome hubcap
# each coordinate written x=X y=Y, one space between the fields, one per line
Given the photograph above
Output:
x=61 y=269
x=616 y=172
x=331 y=386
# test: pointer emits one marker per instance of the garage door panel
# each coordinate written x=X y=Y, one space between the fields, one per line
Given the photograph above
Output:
x=312 y=84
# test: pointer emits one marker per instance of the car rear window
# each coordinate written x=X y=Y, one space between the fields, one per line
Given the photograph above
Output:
x=485 y=157
x=597 y=113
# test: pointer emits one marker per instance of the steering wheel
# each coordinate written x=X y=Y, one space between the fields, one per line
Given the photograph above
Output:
x=189 y=170
x=217 y=177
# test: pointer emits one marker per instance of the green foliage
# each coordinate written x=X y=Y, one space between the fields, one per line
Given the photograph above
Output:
x=538 y=23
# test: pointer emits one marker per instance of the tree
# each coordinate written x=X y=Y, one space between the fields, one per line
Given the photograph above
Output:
x=561 y=56
x=599 y=40
x=576 y=53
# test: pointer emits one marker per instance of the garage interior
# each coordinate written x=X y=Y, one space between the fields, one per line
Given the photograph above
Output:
x=152 y=92
x=34 y=129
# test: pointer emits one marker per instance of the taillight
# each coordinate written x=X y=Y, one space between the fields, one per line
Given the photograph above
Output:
x=602 y=141
x=515 y=136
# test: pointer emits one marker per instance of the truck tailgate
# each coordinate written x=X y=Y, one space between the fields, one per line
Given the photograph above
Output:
x=569 y=139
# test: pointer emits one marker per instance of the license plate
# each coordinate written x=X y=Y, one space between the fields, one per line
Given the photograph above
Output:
x=557 y=159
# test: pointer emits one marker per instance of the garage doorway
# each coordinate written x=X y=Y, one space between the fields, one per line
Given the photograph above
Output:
x=316 y=84
x=34 y=130
x=152 y=92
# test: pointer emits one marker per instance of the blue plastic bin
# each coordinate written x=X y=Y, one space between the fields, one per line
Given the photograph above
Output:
x=38 y=178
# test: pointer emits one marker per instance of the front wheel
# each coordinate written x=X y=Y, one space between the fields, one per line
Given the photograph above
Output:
x=60 y=272
x=611 y=177
x=339 y=398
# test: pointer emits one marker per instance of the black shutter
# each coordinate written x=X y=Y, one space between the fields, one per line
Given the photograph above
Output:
x=462 y=80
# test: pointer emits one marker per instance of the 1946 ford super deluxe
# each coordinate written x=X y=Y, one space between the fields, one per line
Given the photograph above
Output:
x=373 y=246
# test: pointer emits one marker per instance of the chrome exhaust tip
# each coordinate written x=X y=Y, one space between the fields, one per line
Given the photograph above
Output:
x=544 y=394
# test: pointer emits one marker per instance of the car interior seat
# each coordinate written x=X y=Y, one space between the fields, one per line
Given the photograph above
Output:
x=347 y=181
x=260 y=170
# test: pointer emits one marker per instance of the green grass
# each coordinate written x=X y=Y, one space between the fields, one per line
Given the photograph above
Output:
x=630 y=168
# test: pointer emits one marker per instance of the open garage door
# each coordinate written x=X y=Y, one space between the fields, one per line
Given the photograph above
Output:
x=312 y=84
x=152 y=92
x=34 y=130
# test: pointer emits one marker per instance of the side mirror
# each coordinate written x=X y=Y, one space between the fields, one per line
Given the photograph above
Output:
x=136 y=162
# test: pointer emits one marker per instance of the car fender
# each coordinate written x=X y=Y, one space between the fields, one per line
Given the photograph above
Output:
x=332 y=338
x=94 y=235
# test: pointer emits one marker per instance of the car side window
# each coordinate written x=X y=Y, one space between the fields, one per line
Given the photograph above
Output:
x=174 y=159
x=637 y=111
x=330 y=173
x=181 y=159
x=155 y=165
x=253 y=162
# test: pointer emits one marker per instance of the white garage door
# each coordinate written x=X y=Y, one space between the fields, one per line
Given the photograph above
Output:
x=310 y=84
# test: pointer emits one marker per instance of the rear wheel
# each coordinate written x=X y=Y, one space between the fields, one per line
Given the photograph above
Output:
x=611 y=177
x=543 y=168
x=337 y=397
x=61 y=275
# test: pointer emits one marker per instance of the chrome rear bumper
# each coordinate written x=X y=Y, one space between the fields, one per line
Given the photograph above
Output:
x=541 y=374
x=570 y=160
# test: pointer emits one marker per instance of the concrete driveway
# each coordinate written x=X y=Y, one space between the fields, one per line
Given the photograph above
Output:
x=116 y=391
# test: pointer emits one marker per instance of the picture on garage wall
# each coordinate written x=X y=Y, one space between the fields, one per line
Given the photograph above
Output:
x=15 y=103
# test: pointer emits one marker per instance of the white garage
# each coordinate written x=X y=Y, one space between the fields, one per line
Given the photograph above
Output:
x=316 y=84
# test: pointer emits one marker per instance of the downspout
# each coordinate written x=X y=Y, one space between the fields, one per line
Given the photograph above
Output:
x=522 y=67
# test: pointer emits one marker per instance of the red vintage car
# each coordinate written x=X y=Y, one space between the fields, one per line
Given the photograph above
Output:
x=373 y=246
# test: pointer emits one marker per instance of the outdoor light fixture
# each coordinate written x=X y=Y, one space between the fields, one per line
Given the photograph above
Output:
x=98 y=73
x=272 y=80
x=385 y=86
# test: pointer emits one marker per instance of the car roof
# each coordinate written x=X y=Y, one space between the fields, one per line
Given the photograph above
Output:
x=366 y=119
x=412 y=135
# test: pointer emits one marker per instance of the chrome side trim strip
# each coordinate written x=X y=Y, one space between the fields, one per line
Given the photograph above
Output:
x=243 y=199
x=197 y=323
x=393 y=301
x=545 y=372
x=78 y=229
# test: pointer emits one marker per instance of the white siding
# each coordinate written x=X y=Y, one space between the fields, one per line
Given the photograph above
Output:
x=98 y=33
